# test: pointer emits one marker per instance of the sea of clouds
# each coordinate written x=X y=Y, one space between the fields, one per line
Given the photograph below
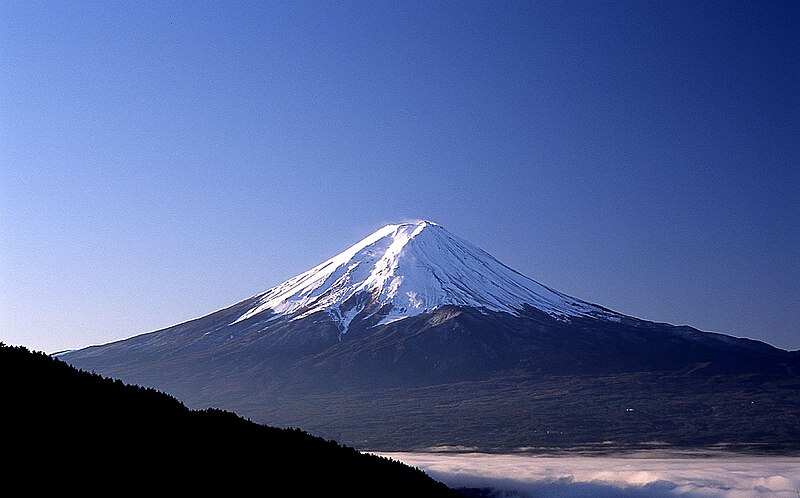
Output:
x=631 y=476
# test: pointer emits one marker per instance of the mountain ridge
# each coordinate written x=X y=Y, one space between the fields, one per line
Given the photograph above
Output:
x=291 y=356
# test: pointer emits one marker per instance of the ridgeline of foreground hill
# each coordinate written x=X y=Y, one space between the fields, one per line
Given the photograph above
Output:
x=76 y=430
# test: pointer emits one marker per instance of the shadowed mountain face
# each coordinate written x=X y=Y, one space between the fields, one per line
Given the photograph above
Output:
x=414 y=337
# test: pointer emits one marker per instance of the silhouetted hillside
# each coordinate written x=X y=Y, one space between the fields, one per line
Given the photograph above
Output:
x=80 y=431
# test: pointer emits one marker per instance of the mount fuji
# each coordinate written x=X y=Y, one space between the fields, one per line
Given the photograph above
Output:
x=409 y=269
x=414 y=337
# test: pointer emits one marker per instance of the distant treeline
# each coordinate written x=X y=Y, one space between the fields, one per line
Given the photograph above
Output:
x=67 y=429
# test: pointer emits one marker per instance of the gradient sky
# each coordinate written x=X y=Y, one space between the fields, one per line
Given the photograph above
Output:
x=159 y=161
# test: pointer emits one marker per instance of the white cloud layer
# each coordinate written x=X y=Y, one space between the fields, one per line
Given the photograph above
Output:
x=635 y=476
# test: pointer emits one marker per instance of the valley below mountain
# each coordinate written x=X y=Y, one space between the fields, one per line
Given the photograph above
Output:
x=575 y=414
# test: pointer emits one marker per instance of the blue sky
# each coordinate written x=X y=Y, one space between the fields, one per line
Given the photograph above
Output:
x=159 y=161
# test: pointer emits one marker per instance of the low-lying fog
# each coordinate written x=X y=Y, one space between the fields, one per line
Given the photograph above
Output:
x=638 y=475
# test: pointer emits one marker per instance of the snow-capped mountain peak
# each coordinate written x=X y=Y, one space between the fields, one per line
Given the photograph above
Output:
x=410 y=268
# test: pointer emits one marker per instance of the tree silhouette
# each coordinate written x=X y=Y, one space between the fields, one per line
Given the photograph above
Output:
x=63 y=428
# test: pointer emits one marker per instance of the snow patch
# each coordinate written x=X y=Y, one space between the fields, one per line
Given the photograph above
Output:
x=412 y=268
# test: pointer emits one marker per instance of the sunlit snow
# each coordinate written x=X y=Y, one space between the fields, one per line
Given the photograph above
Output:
x=412 y=268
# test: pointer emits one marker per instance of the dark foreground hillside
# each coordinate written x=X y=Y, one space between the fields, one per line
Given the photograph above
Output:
x=80 y=431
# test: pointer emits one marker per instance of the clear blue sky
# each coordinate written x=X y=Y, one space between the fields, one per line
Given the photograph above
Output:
x=159 y=161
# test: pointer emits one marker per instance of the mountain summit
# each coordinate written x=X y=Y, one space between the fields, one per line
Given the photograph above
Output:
x=408 y=269
x=414 y=337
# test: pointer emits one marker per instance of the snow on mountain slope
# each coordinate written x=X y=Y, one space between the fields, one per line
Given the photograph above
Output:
x=411 y=268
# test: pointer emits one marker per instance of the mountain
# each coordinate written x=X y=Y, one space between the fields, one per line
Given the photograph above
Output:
x=390 y=342
x=77 y=430
x=409 y=269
